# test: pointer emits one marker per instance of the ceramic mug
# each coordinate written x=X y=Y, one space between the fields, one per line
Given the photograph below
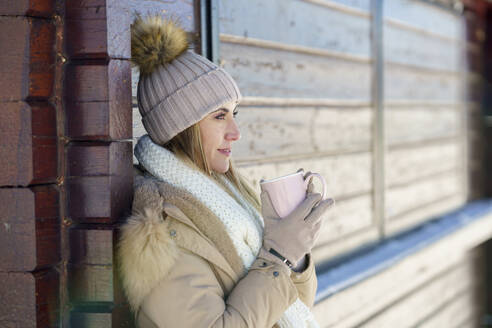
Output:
x=287 y=192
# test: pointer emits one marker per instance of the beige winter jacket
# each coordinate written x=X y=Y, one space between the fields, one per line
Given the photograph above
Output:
x=180 y=270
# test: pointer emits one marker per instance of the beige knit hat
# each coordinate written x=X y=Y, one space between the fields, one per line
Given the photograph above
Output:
x=177 y=87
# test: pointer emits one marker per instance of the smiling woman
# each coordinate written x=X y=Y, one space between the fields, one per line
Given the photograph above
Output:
x=192 y=254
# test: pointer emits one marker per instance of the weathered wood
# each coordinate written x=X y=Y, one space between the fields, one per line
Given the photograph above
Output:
x=354 y=305
x=100 y=182
x=99 y=158
x=116 y=317
x=99 y=199
x=405 y=165
x=424 y=212
x=91 y=246
x=95 y=287
x=345 y=174
x=364 y=5
x=427 y=298
x=98 y=100
x=101 y=28
x=90 y=283
x=29 y=299
x=91 y=265
x=408 y=47
x=276 y=131
x=348 y=216
x=92 y=32
x=264 y=72
x=29 y=235
x=459 y=309
x=406 y=83
x=411 y=196
x=30 y=156
x=33 y=8
x=296 y=23
x=28 y=60
x=418 y=124
x=16 y=155
x=327 y=251
x=420 y=15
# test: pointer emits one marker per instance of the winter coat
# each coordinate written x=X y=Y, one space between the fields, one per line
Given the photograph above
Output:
x=179 y=270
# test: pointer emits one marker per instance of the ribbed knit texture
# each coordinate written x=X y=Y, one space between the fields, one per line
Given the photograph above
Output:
x=242 y=221
x=180 y=93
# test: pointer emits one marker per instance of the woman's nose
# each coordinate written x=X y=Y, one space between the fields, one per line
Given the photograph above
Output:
x=233 y=133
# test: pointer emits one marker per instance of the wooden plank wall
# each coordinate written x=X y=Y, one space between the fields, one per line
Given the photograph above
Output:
x=425 y=107
x=98 y=170
x=307 y=104
x=29 y=185
x=98 y=83
x=304 y=69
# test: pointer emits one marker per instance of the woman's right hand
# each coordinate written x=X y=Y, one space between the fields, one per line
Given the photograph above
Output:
x=295 y=235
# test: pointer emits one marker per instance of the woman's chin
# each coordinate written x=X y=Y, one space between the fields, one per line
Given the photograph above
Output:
x=221 y=168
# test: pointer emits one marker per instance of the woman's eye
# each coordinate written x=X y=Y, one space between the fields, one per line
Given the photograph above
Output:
x=220 y=117
x=235 y=114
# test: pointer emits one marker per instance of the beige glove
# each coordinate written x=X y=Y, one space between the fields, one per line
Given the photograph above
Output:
x=290 y=238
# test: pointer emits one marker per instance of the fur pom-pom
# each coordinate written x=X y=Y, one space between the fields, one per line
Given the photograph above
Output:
x=156 y=41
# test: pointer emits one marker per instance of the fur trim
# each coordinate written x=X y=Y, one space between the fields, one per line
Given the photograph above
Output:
x=156 y=41
x=146 y=252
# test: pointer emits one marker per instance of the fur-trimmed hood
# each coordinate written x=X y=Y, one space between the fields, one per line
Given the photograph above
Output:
x=162 y=219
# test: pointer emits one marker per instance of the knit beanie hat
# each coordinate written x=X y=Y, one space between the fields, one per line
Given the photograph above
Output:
x=177 y=87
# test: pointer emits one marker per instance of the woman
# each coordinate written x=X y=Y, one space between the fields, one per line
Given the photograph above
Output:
x=199 y=250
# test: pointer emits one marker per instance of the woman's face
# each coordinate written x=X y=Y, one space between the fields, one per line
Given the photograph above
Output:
x=218 y=130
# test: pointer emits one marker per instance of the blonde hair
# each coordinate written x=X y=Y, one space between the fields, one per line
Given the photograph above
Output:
x=187 y=145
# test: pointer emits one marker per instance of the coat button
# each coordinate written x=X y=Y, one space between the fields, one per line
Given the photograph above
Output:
x=172 y=233
x=275 y=273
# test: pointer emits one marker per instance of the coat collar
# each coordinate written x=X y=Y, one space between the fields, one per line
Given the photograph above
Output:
x=163 y=220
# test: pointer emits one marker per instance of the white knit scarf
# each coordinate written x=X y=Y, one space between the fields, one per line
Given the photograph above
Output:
x=242 y=221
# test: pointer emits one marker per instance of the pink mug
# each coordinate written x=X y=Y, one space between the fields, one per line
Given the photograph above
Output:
x=287 y=192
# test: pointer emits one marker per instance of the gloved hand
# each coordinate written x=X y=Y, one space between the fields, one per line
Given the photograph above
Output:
x=295 y=235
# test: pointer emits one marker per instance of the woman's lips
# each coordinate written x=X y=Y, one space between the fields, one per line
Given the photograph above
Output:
x=226 y=152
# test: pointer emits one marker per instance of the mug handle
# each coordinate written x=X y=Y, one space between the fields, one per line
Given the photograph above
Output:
x=323 y=182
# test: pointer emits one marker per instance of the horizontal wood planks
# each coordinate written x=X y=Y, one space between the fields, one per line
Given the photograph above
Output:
x=30 y=234
x=269 y=132
x=30 y=156
x=29 y=58
x=96 y=94
x=344 y=33
x=358 y=304
x=415 y=308
x=34 y=8
x=424 y=107
x=99 y=182
x=29 y=299
x=276 y=73
x=296 y=76
x=91 y=265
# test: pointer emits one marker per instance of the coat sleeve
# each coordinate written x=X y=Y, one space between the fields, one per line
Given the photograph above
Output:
x=191 y=296
x=306 y=283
